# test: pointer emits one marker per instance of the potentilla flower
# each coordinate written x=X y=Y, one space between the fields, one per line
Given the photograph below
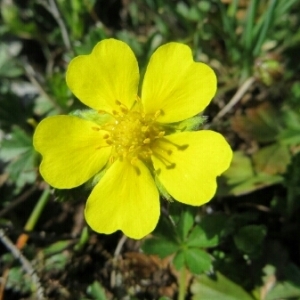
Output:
x=131 y=142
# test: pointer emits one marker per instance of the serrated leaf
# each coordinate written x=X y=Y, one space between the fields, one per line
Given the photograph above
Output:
x=185 y=223
x=217 y=288
x=165 y=229
x=8 y=65
x=240 y=168
x=160 y=247
x=18 y=281
x=249 y=238
x=197 y=260
x=198 y=238
x=16 y=144
x=179 y=260
x=214 y=225
x=13 y=111
x=290 y=136
x=204 y=238
x=272 y=159
x=258 y=182
x=18 y=151
x=259 y=124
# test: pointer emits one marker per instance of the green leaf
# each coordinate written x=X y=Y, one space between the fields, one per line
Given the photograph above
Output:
x=290 y=135
x=160 y=247
x=197 y=260
x=13 y=111
x=217 y=288
x=179 y=260
x=240 y=169
x=16 y=144
x=198 y=238
x=185 y=223
x=96 y=291
x=57 y=262
x=287 y=288
x=259 y=124
x=214 y=225
x=272 y=159
x=9 y=67
x=18 y=281
x=56 y=247
x=249 y=238
x=165 y=229
x=18 y=151
x=208 y=232
x=291 y=182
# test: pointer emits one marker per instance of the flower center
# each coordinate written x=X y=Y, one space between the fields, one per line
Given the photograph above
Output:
x=132 y=134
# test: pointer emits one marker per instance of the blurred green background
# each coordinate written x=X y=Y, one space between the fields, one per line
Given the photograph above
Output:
x=245 y=243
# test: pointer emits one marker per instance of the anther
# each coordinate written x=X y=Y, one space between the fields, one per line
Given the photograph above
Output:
x=161 y=134
x=106 y=136
x=144 y=128
x=123 y=108
x=157 y=114
x=147 y=141
x=118 y=102
x=131 y=148
x=109 y=142
x=96 y=128
x=133 y=160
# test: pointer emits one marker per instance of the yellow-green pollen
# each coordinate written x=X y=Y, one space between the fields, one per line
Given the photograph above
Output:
x=133 y=133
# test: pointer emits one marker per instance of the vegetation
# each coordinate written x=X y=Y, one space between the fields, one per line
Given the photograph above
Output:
x=242 y=245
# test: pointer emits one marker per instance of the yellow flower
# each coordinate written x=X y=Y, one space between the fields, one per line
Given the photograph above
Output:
x=133 y=140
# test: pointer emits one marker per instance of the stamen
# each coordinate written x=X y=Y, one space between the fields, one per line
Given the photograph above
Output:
x=95 y=128
x=123 y=108
x=133 y=132
x=161 y=134
x=157 y=114
x=179 y=147
x=134 y=161
x=165 y=161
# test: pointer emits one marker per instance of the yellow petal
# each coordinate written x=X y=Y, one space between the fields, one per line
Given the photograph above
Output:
x=176 y=85
x=126 y=199
x=70 y=150
x=188 y=163
x=107 y=75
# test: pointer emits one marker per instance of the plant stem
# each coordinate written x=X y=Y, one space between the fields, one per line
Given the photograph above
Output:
x=182 y=284
x=35 y=215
